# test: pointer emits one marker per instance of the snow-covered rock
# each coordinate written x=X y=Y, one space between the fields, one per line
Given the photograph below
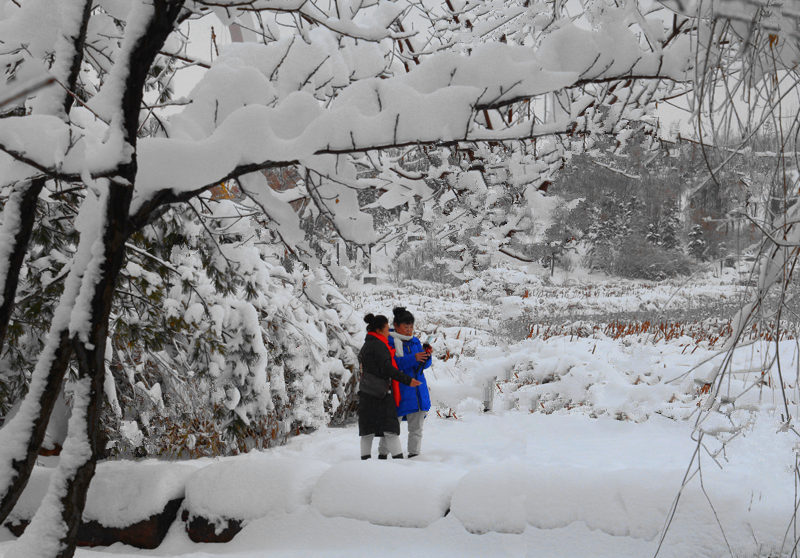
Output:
x=121 y=493
x=130 y=502
x=251 y=486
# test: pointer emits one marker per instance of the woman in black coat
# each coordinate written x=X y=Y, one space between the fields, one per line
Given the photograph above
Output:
x=377 y=408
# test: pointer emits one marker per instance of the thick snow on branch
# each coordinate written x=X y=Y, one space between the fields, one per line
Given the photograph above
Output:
x=51 y=99
x=434 y=103
x=369 y=21
x=300 y=97
x=8 y=230
x=281 y=214
x=90 y=225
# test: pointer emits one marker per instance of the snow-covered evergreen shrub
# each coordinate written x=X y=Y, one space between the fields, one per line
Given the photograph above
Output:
x=41 y=280
x=638 y=259
x=264 y=353
x=697 y=243
x=214 y=347
x=424 y=261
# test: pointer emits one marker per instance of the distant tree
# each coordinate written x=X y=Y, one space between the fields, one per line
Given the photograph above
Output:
x=639 y=259
x=559 y=237
x=670 y=228
x=653 y=235
x=697 y=244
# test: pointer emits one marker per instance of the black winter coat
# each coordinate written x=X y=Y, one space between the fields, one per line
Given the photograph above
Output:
x=377 y=369
x=377 y=413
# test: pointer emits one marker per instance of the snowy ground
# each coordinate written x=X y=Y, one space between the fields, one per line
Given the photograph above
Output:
x=519 y=484
x=582 y=454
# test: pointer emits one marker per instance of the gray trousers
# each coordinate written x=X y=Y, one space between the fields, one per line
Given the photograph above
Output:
x=415 y=423
x=389 y=444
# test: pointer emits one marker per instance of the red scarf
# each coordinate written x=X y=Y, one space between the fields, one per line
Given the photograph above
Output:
x=395 y=383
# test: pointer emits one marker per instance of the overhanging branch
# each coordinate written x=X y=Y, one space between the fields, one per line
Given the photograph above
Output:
x=167 y=196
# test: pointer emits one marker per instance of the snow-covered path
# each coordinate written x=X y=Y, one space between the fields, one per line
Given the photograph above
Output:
x=588 y=487
x=520 y=484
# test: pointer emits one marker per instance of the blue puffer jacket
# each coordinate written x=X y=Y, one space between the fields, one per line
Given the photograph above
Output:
x=412 y=399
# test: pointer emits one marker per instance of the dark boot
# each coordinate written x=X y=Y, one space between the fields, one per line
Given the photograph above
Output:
x=363 y=457
x=398 y=456
x=383 y=456
x=410 y=455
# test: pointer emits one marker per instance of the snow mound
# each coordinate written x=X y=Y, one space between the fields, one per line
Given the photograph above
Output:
x=625 y=502
x=411 y=494
x=251 y=486
x=635 y=503
x=121 y=493
x=493 y=498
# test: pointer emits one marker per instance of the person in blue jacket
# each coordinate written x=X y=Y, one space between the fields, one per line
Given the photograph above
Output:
x=412 y=359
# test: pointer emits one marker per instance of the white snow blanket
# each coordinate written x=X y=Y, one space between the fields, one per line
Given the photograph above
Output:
x=492 y=498
x=251 y=486
x=517 y=484
x=403 y=494
x=122 y=492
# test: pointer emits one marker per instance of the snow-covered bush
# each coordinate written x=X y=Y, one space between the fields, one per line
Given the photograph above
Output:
x=41 y=278
x=223 y=349
x=636 y=258
x=213 y=346
x=424 y=261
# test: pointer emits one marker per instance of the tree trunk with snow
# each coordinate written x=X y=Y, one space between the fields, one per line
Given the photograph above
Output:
x=30 y=425
x=18 y=219
x=19 y=459
x=20 y=211
x=53 y=530
x=76 y=468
